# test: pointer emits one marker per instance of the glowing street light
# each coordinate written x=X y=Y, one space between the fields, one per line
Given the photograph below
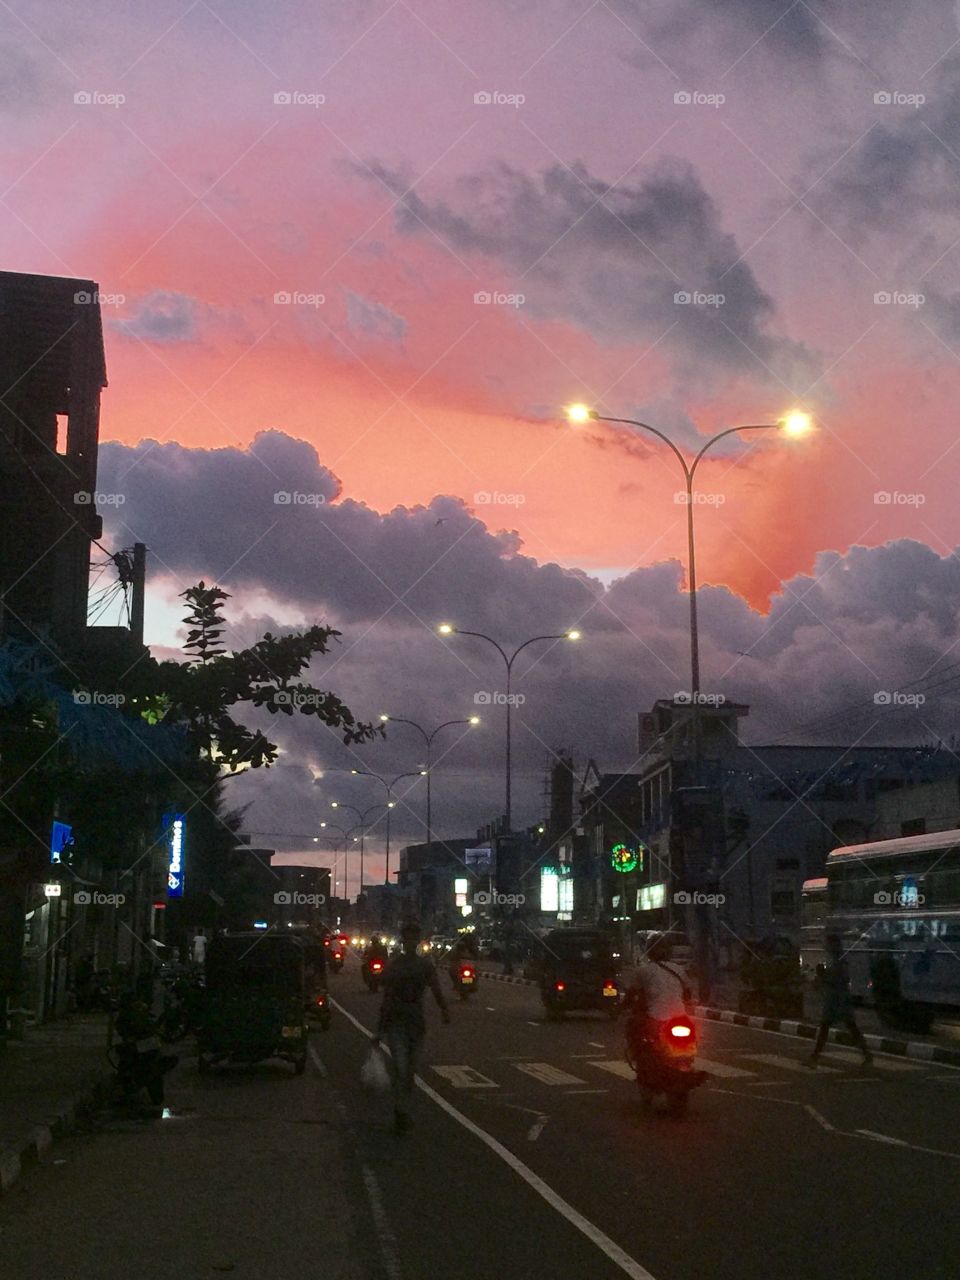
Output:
x=428 y=740
x=447 y=629
x=795 y=423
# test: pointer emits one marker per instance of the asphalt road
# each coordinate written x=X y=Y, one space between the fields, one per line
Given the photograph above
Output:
x=530 y=1156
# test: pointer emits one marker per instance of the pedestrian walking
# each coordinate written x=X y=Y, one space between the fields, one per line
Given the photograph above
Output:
x=402 y=1022
x=837 y=1003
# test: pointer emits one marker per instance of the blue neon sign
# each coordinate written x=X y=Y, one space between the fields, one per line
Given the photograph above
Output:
x=176 y=824
x=60 y=837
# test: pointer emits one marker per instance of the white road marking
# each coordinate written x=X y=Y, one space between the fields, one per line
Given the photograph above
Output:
x=491 y=1009
x=788 y=1064
x=722 y=1069
x=573 y=1093
x=318 y=1062
x=821 y=1120
x=533 y=1024
x=882 y=1137
x=616 y=1068
x=899 y=1142
x=389 y=1249
x=883 y=1064
x=535 y=1130
x=464 y=1077
x=595 y=1044
x=547 y=1073
x=619 y=1257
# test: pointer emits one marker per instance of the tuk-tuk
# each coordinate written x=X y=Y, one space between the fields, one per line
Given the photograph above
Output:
x=254 y=1001
x=579 y=970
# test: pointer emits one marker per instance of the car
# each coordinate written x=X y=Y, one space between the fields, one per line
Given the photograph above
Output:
x=578 y=970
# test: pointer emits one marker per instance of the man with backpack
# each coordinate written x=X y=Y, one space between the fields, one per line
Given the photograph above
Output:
x=402 y=1023
x=659 y=993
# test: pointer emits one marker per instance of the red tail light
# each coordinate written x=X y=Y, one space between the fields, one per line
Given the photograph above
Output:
x=559 y=986
x=376 y=966
x=338 y=955
x=321 y=1000
x=680 y=1031
x=466 y=971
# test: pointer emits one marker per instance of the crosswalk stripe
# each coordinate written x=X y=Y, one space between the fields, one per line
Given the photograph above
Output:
x=882 y=1064
x=464 y=1077
x=546 y=1073
x=615 y=1068
x=787 y=1064
x=723 y=1069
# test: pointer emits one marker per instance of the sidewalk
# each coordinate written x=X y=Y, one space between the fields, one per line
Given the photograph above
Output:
x=57 y=1070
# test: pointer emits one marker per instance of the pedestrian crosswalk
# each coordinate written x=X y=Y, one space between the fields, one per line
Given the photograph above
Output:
x=833 y=1063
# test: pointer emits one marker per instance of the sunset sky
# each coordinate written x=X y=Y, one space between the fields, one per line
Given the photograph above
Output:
x=795 y=167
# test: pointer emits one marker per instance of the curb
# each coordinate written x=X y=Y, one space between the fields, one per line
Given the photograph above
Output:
x=34 y=1145
x=506 y=977
x=790 y=1026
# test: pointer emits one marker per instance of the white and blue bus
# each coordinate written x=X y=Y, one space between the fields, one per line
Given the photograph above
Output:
x=896 y=904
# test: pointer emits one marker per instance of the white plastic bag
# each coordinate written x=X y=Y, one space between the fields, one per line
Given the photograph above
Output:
x=375 y=1074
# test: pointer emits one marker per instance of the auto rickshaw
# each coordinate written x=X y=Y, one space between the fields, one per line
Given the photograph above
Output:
x=317 y=1004
x=254 y=1006
x=579 y=971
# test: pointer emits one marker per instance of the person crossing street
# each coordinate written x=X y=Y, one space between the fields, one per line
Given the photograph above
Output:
x=402 y=1023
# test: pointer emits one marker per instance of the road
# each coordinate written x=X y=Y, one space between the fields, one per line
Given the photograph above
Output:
x=530 y=1157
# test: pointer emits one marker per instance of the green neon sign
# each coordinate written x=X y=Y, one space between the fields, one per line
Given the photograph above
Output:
x=625 y=858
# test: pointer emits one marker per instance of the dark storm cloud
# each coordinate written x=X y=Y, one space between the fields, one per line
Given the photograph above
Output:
x=618 y=261
x=905 y=166
x=162 y=316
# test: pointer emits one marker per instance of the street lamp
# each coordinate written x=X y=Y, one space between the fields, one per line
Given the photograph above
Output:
x=362 y=816
x=391 y=804
x=428 y=739
x=343 y=838
x=796 y=423
x=447 y=629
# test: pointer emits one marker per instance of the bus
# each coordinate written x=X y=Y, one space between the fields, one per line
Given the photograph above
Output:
x=896 y=904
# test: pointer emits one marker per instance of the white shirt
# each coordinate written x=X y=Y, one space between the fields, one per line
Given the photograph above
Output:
x=662 y=986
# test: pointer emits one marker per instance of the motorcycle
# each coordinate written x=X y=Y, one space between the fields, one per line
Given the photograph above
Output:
x=663 y=1057
x=335 y=963
x=465 y=979
x=373 y=968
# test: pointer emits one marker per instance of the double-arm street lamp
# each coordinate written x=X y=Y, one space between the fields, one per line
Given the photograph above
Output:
x=390 y=802
x=344 y=838
x=428 y=740
x=792 y=424
x=362 y=818
x=446 y=629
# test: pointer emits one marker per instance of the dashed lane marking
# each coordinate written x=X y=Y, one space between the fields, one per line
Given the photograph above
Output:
x=464 y=1077
x=547 y=1073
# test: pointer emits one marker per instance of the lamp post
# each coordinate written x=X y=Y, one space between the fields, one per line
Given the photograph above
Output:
x=446 y=629
x=362 y=817
x=391 y=803
x=794 y=423
x=428 y=740
x=343 y=838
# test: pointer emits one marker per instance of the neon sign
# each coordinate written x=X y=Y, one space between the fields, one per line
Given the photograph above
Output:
x=624 y=857
x=175 y=862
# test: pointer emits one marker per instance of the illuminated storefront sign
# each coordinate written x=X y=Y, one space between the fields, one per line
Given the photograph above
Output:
x=175 y=825
x=651 y=897
x=549 y=889
x=60 y=836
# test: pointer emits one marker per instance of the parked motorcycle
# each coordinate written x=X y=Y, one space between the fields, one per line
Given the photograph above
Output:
x=663 y=1057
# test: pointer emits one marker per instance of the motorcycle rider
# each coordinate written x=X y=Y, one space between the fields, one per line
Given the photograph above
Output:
x=463 y=951
x=659 y=993
x=377 y=949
